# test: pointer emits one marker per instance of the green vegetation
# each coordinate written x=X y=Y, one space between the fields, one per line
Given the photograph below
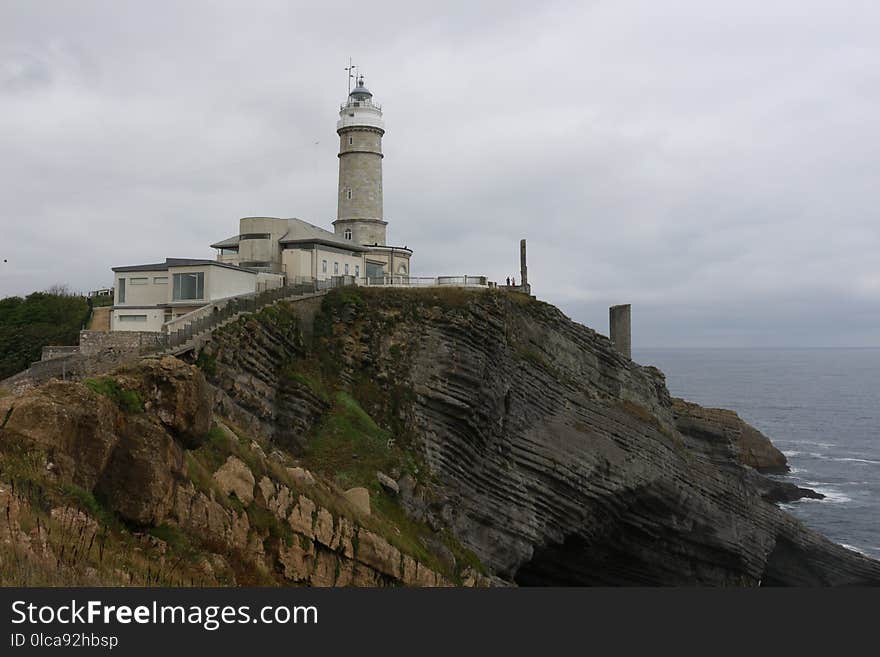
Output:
x=173 y=536
x=264 y=521
x=128 y=401
x=313 y=383
x=31 y=323
x=349 y=445
x=207 y=363
x=102 y=301
x=85 y=500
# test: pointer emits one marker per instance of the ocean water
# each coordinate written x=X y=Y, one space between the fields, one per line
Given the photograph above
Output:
x=821 y=407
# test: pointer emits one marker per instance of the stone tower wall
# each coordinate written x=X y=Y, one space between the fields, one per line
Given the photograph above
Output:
x=360 y=172
x=620 y=318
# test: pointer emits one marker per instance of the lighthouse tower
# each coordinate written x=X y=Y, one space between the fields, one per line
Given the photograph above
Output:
x=360 y=129
x=360 y=215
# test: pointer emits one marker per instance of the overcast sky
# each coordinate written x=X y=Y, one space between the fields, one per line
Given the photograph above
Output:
x=714 y=163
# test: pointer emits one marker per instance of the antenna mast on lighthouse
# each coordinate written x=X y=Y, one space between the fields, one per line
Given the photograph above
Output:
x=350 y=68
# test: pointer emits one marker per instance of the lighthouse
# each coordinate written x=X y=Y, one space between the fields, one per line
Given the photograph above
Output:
x=360 y=212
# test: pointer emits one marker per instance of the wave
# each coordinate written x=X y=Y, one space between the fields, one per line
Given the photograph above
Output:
x=857 y=549
x=782 y=441
x=832 y=495
x=825 y=457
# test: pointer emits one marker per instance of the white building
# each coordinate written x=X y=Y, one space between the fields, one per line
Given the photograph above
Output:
x=293 y=247
x=269 y=251
x=148 y=296
x=358 y=246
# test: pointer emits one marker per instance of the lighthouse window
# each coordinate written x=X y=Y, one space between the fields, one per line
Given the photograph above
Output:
x=323 y=266
x=336 y=268
x=351 y=140
x=349 y=192
x=346 y=269
x=347 y=233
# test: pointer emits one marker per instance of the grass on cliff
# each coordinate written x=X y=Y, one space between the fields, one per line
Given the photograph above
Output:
x=349 y=445
x=128 y=401
x=351 y=448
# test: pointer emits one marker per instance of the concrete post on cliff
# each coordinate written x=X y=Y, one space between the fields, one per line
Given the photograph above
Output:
x=523 y=270
x=620 y=319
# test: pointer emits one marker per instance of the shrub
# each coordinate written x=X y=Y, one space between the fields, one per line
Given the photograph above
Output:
x=128 y=401
x=40 y=319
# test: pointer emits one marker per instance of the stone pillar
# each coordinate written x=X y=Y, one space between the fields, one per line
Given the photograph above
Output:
x=523 y=270
x=620 y=320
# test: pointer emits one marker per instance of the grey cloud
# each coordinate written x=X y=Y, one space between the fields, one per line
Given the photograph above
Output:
x=714 y=164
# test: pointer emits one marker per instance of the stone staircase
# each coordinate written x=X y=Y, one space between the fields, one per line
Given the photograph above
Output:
x=193 y=335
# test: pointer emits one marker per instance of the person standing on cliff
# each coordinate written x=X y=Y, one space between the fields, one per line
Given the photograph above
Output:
x=508 y=281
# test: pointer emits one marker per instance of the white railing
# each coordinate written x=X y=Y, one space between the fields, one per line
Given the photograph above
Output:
x=423 y=281
x=360 y=104
x=182 y=320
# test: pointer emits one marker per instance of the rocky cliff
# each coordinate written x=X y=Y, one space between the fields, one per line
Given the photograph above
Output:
x=491 y=439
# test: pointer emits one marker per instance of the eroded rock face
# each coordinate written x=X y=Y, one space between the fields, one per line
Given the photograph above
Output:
x=175 y=393
x=132 y=460
x=724 y=436
x=78 y=428
x=558 y=461
x=235 y=477
x=139 y=480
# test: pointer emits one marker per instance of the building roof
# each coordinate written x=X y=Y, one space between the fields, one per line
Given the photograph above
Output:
x=227 y=243
x=360 y=91
x=300 y=232
x=180 y=262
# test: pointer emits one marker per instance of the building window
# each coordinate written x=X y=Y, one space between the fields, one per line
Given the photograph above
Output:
x=323 y=266
x=347 y=233
x=401 y=269
x=348 y=192
x=346 y=269
x=120 y=292
x=160 y=280
x=336 y=268
x=138 y=281
x=229 y=250
x=189 y=286
x=254 y=236
x=132 y=318
x=350 y=140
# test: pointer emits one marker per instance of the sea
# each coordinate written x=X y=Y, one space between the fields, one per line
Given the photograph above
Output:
x=821 y=407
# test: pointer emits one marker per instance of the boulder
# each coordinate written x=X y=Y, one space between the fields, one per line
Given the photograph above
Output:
x=176 y=393
x=388 y=483
x=301 y=476
x=235 y=477
x=141 y=475
x=76 y=427
x=359 y=499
